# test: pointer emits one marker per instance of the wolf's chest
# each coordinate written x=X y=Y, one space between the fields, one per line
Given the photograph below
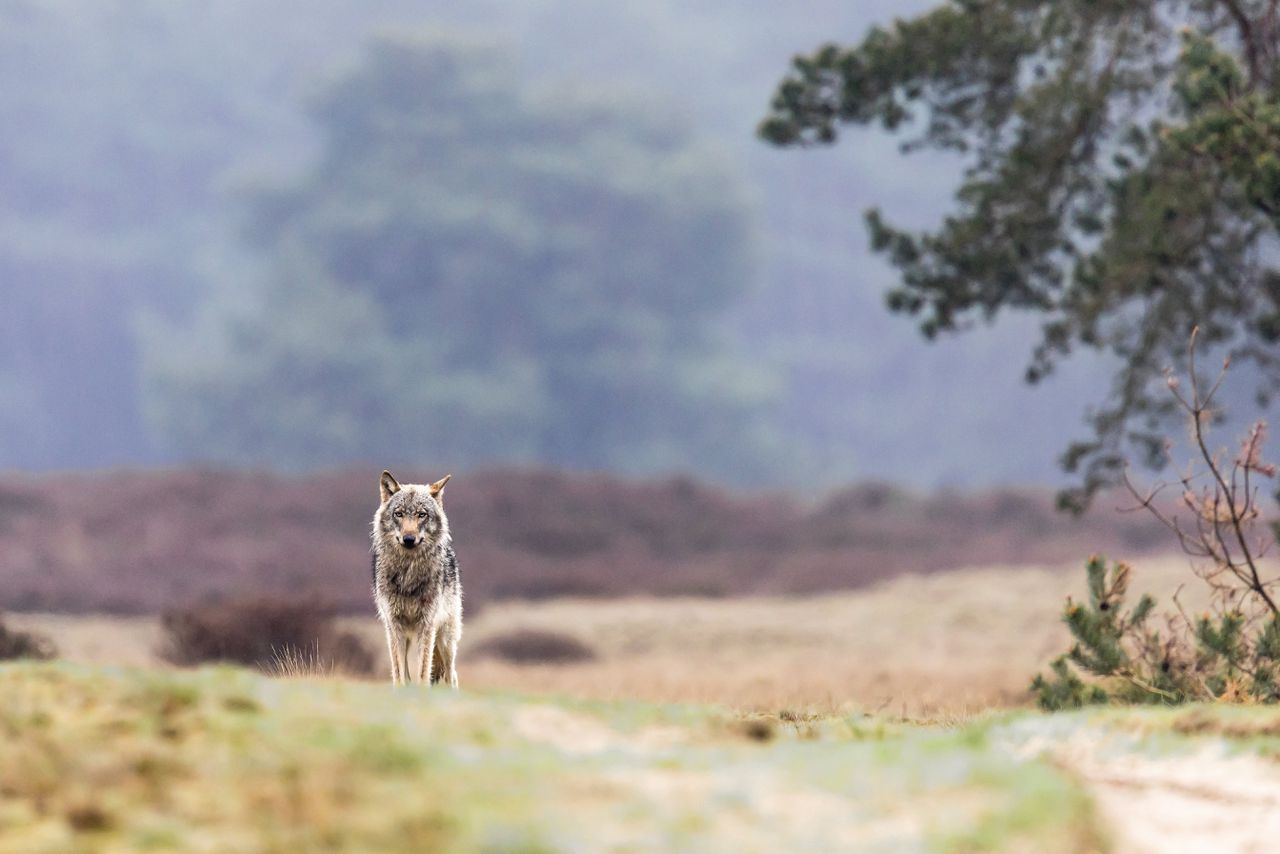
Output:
x=410 y=584
x=408 y=594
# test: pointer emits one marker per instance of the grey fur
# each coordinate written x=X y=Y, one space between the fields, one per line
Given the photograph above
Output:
x=417 y=591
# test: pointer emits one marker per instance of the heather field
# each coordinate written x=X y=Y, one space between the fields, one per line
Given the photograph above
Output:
x=137 y=542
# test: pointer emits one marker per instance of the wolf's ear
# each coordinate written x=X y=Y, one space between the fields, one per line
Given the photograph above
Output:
x=387 y=486
x=438 y=486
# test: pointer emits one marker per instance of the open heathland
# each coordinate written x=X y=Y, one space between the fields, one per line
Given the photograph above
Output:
x=940 y=645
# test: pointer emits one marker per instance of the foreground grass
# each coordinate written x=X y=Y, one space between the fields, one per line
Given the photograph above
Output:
x=224 y=760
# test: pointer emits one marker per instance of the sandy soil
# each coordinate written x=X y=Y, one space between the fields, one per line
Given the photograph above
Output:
x=1173 y=800
x=1205 y=802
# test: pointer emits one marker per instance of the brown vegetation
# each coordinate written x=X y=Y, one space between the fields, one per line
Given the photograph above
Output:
x=139 y=542
x=272 y=634
x=534 y=646
x=21 y=644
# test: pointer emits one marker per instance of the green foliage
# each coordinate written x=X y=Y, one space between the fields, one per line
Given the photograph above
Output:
x=1222 y=636
x=1220 y=656
x=1065 y=690
x=478 y=269
x=1122 y=180
x=1110 y=643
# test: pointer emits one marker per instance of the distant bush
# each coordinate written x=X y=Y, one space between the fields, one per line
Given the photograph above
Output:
x=16 y=503
x=553 y=585
x=16 y=644
x=260 y=633
x=534 y=646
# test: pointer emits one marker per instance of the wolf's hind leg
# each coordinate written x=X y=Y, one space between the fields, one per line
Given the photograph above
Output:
x=439 y=669
x=426 y=652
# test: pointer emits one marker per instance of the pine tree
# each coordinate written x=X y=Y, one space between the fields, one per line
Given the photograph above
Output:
x=1123 y=179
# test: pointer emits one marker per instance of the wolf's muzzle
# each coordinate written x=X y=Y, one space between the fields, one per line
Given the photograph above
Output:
x=409 y=541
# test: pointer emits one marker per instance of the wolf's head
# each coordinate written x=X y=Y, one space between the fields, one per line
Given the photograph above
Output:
x=411 y=516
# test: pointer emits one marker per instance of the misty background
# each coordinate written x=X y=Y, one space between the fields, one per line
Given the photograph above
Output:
x=306 y=234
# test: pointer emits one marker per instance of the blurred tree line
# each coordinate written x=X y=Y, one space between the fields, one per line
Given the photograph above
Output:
x=476 y=268
x=473 y=266
x=157 y=176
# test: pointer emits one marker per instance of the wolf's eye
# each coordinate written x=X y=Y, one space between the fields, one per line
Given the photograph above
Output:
x=398 y=513
x=422 y=515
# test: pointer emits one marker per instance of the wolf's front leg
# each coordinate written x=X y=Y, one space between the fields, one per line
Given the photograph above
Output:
x=404 y=640
x=393 y=643
x=426 y=651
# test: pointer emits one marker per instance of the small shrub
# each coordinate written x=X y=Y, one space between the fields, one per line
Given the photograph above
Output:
x=1213 y=657
x=16 y=644
x=1230 y=652
x=535 y=646
x=15 y=503
x=756 y=729
x=350 y=655
x=258 y=632
x=88 y=818
x=1113 y=644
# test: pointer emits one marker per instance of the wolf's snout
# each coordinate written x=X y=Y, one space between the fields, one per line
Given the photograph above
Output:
x=409 y=541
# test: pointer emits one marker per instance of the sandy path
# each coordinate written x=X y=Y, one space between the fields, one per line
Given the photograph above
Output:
x=1205 y=802
x=1203 y=799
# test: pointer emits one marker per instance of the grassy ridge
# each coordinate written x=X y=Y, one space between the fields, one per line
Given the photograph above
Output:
x=222 y=759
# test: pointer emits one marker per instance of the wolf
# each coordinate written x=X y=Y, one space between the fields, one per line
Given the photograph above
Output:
x=416 y=586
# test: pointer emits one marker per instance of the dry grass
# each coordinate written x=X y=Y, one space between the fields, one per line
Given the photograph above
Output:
x=293 y=662
x=935 y=646
x=939 y=646
x=94 y=639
